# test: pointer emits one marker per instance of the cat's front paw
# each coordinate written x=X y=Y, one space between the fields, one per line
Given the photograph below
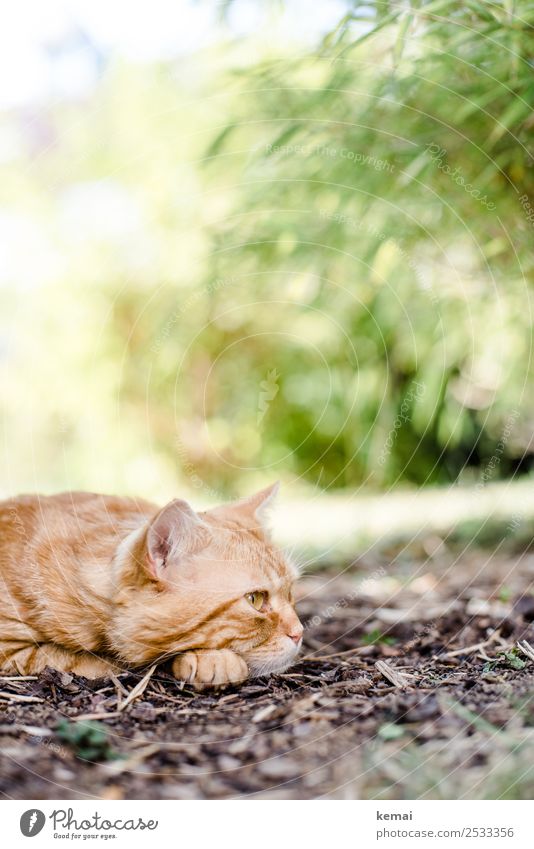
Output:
x=210 y=668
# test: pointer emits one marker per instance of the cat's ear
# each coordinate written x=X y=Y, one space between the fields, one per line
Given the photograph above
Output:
x=257 y=507
x=175 y=532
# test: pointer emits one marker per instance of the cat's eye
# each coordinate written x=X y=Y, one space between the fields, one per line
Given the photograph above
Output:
x=257 y=599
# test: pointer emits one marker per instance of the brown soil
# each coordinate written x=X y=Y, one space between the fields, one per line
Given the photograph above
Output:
x=409 y=686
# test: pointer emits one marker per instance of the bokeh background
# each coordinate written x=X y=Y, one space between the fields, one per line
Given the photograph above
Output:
x=250 y=240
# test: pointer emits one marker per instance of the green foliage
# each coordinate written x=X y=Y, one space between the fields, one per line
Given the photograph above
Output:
x=378 y=222
x=89 y=740
x=390 y=731
x=509 y=659
x=513 y=659
x=315 y=266
x=376 y=637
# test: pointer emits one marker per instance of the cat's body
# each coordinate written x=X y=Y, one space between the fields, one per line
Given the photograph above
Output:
x=91 y=583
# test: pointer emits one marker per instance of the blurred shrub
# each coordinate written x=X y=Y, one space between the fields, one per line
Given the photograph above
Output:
x=315 y=265
x=383 y=217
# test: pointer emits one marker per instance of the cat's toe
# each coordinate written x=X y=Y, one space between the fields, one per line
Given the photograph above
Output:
x=210 y=668
x=217 y=668
x=184 y=667
x=236 y=668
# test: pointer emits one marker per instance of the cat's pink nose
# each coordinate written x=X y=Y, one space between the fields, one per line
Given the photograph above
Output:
x=296 y=635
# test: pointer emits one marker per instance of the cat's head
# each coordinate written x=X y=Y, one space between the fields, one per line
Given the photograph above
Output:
x=217 y=581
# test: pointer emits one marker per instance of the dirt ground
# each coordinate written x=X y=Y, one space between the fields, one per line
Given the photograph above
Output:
x=411 y=685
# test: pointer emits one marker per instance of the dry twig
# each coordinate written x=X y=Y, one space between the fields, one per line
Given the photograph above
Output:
x=90 y=716
x=32 y=730
x=526 y=648
x=138 y=690
x=475 y=648
x=18 y=697
x=398 y=679
x=18 y=677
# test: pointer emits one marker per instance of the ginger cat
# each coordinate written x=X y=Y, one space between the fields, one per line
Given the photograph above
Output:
x=94 y=583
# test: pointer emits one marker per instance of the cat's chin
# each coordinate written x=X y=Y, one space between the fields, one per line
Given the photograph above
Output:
x=271 y=665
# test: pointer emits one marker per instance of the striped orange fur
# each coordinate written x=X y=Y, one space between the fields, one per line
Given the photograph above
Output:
x=90 y=583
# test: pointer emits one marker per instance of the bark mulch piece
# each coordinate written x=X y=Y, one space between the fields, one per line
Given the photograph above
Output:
x=407 y=663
